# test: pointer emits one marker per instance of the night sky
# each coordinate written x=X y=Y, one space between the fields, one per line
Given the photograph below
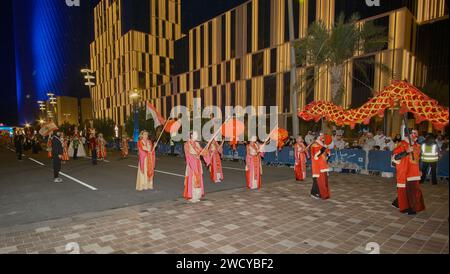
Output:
x=25 y=37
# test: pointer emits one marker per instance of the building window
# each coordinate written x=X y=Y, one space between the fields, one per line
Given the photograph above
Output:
x=248 y=92
x=257 y=64
x=232 y=94
x=162 y=65
x=273 y=60
x=311 y=12
x=228 y=72
x=270 y=91
x=202 y=46
x=210 y=46
x=249 y=27
x=238 y=69
x=210 y=76
x=309 y=86
x=264 y=24
x=194 y=48
x=224 y=37
x=361 y=91
x=233 y=33
x=142 y=80
x=196 y=79
x=219 y=75
x=286 y=92
x=214 y=96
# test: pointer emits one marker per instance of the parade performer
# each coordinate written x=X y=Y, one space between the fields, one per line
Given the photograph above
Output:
x=49 y=147
x=193 y=182
x=215 y=168
x=76 y=148
x=124 y=146
x=406 y=157
x=93 y=147
x=253 y=164
x=57 y=151
x=101 y=147
x=146 y=168
x=300 y=155
x=319 y=157
x=64 y=142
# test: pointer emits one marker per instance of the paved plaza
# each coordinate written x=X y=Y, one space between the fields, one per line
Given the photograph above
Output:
x=281 y=218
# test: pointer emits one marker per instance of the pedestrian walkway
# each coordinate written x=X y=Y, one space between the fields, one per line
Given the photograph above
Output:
x=281 y=218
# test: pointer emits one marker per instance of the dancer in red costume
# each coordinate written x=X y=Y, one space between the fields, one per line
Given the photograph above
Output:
x=406 y=157
x=215 y=168
x=319 y=156
x=300 y=154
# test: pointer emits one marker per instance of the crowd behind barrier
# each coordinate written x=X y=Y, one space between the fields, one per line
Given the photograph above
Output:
x=340 y=160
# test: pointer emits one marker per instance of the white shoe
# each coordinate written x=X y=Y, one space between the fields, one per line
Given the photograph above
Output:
x=314 y=197
x=58 y=180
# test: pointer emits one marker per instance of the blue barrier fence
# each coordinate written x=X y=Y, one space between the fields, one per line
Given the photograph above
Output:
x=442 y=168
x=356 y=158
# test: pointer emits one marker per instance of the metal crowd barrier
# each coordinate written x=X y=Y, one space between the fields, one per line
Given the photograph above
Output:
x=378 y=161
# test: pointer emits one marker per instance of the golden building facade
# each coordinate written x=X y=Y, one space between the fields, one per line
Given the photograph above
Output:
x=133 y=47
x=242 y=57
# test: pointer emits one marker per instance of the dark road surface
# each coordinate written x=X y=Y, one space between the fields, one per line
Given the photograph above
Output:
x=28 y=194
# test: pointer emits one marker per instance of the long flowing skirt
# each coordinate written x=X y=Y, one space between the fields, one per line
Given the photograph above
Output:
x=415 y=196
x=320 y=187
x=80 y=153
x=215 y=169
x=300 y=171
x=143 y=182
x=101 y=152
x=253 y=174
x=65 y=156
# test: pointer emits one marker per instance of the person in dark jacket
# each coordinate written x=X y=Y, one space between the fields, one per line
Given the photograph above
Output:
x=57 y=152
x=93 y=148
x=19 y=139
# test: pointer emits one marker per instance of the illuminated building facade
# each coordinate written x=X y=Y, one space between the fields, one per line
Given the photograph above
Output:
x=133 y=49
x=242 y=57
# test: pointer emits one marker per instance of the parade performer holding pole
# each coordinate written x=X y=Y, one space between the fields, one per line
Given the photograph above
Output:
x=300 y=155
x=146 y=168
x=124 y=149
x=215 y=168
x=319 y=157
x=406 y=158
x=49 y=146
x=64 y=141
x=253 y=164
x=193 y=182
x=101 y=147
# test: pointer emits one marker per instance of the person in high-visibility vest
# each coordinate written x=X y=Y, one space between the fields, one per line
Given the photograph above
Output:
x=430 y=158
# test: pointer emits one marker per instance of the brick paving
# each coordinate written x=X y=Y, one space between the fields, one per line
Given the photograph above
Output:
x=281 y=218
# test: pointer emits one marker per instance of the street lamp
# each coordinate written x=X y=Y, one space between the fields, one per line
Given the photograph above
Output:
x=134 y=96
x=53 y=102
x=89 y=80
x=42 y=108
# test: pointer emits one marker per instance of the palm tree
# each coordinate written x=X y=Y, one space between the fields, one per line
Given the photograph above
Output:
x=333 y=47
